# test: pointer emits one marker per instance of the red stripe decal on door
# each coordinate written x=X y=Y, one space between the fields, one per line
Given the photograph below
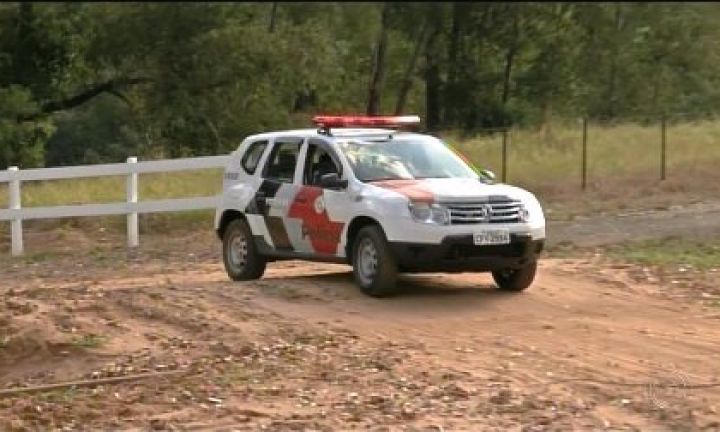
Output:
x=309 y=206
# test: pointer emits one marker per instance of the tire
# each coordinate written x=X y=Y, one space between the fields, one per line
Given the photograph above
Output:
x=515 y=279
x=374 y=266
x=240 y=256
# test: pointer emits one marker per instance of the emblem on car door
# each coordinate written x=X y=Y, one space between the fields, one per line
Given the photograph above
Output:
x=484 y=212
x=319 y=204
x=323 y=233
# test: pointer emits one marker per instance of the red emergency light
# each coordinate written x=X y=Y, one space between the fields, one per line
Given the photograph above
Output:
x=335 y=121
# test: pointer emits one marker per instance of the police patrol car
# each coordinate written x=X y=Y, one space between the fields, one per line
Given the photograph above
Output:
x=365 y=191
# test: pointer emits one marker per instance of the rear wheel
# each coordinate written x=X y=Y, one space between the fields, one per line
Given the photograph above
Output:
x=374 y=266
x=241 y=258
x=515 y=279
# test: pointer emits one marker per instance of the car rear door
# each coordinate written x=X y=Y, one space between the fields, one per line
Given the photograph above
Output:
x=274 y=195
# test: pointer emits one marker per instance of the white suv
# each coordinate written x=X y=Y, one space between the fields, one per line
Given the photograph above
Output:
x=380 y=199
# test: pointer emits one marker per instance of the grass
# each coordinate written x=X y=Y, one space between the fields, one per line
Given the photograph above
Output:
x=59 y=396
x=89 y=341
x=554 y=156
x=235 y=373
x=623 y=171
x=112 y=188
x=675 y=252
x=39 y=257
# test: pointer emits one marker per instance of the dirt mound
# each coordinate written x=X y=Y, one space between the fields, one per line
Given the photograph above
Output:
x=33 y=342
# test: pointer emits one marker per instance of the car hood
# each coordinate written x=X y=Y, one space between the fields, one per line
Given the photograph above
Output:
x=450 y=190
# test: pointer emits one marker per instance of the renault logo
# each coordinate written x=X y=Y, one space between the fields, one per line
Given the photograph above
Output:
x=484 y=212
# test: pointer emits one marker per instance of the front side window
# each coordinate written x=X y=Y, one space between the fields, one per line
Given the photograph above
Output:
x=282 y=161
x=318 y=163
x=404 y=158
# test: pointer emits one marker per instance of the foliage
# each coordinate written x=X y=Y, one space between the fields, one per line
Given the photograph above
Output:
x=94 y=82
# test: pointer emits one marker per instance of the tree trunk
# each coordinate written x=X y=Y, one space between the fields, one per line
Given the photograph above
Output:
x=410 y=70
x=375 y=91
x=454 y=47
x=452 y=90
x=432 y=87
x=509 y=58
x=273 y=15
x=22 y=59
x=546 y=129
x=612 y=78
x=507 y=74
x=113 y=85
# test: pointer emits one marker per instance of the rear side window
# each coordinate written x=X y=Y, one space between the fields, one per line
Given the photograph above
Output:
x=282 y=161
x=252 y=156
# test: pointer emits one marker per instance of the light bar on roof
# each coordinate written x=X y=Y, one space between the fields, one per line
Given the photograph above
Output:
x=329 y=121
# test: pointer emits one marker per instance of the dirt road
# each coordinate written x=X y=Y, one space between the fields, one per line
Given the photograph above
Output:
x=694 y=221
x=587 y=347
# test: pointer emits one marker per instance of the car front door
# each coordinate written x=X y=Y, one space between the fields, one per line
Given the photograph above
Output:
x=311 y=211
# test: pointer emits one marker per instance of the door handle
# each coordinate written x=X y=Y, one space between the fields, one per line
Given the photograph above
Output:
x=301 y=200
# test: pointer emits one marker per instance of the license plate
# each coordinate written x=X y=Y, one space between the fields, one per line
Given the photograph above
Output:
x=492 y=237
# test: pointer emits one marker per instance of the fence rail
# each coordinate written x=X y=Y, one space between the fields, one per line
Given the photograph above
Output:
x=131 y=207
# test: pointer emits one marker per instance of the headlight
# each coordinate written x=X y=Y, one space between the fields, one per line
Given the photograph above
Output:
x=534 y=211
x=430 y=213
x=524 y=213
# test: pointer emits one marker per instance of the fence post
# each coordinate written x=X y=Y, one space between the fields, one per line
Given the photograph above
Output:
x=663 y=146
x=504 y=155
x=132 y=198
x=584 y=153
x=16 y=233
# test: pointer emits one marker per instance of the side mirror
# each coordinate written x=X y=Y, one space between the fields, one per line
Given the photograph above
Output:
x=488 y=174
x=332 y=181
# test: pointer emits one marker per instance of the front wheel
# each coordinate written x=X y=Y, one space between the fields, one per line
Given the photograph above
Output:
x=241 y=258
x=515 y=279
x=374 y=266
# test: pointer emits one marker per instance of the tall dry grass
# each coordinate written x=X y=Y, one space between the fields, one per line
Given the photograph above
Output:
x=553 y=157
x=112 y=188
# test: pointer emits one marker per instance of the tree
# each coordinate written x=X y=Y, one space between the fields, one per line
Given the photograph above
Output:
x=378 y=72
x=82 y=82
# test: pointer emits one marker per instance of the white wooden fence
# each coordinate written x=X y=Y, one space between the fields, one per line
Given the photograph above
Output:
x=131 y=207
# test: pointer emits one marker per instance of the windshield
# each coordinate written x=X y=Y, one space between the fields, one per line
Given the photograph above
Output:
x=404 y=159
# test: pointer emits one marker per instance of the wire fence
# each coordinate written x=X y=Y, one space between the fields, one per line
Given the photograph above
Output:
x=639 y=144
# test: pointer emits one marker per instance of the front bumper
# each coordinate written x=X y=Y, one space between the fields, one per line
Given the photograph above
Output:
x=457 y=253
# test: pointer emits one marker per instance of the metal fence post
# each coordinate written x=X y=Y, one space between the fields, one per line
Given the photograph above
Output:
x=584 y=153
x=132 y=198
x=15 y=204
x=663 y=147
x=504 y=155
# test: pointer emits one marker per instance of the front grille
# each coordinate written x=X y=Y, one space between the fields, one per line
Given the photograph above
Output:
x=494 y=211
